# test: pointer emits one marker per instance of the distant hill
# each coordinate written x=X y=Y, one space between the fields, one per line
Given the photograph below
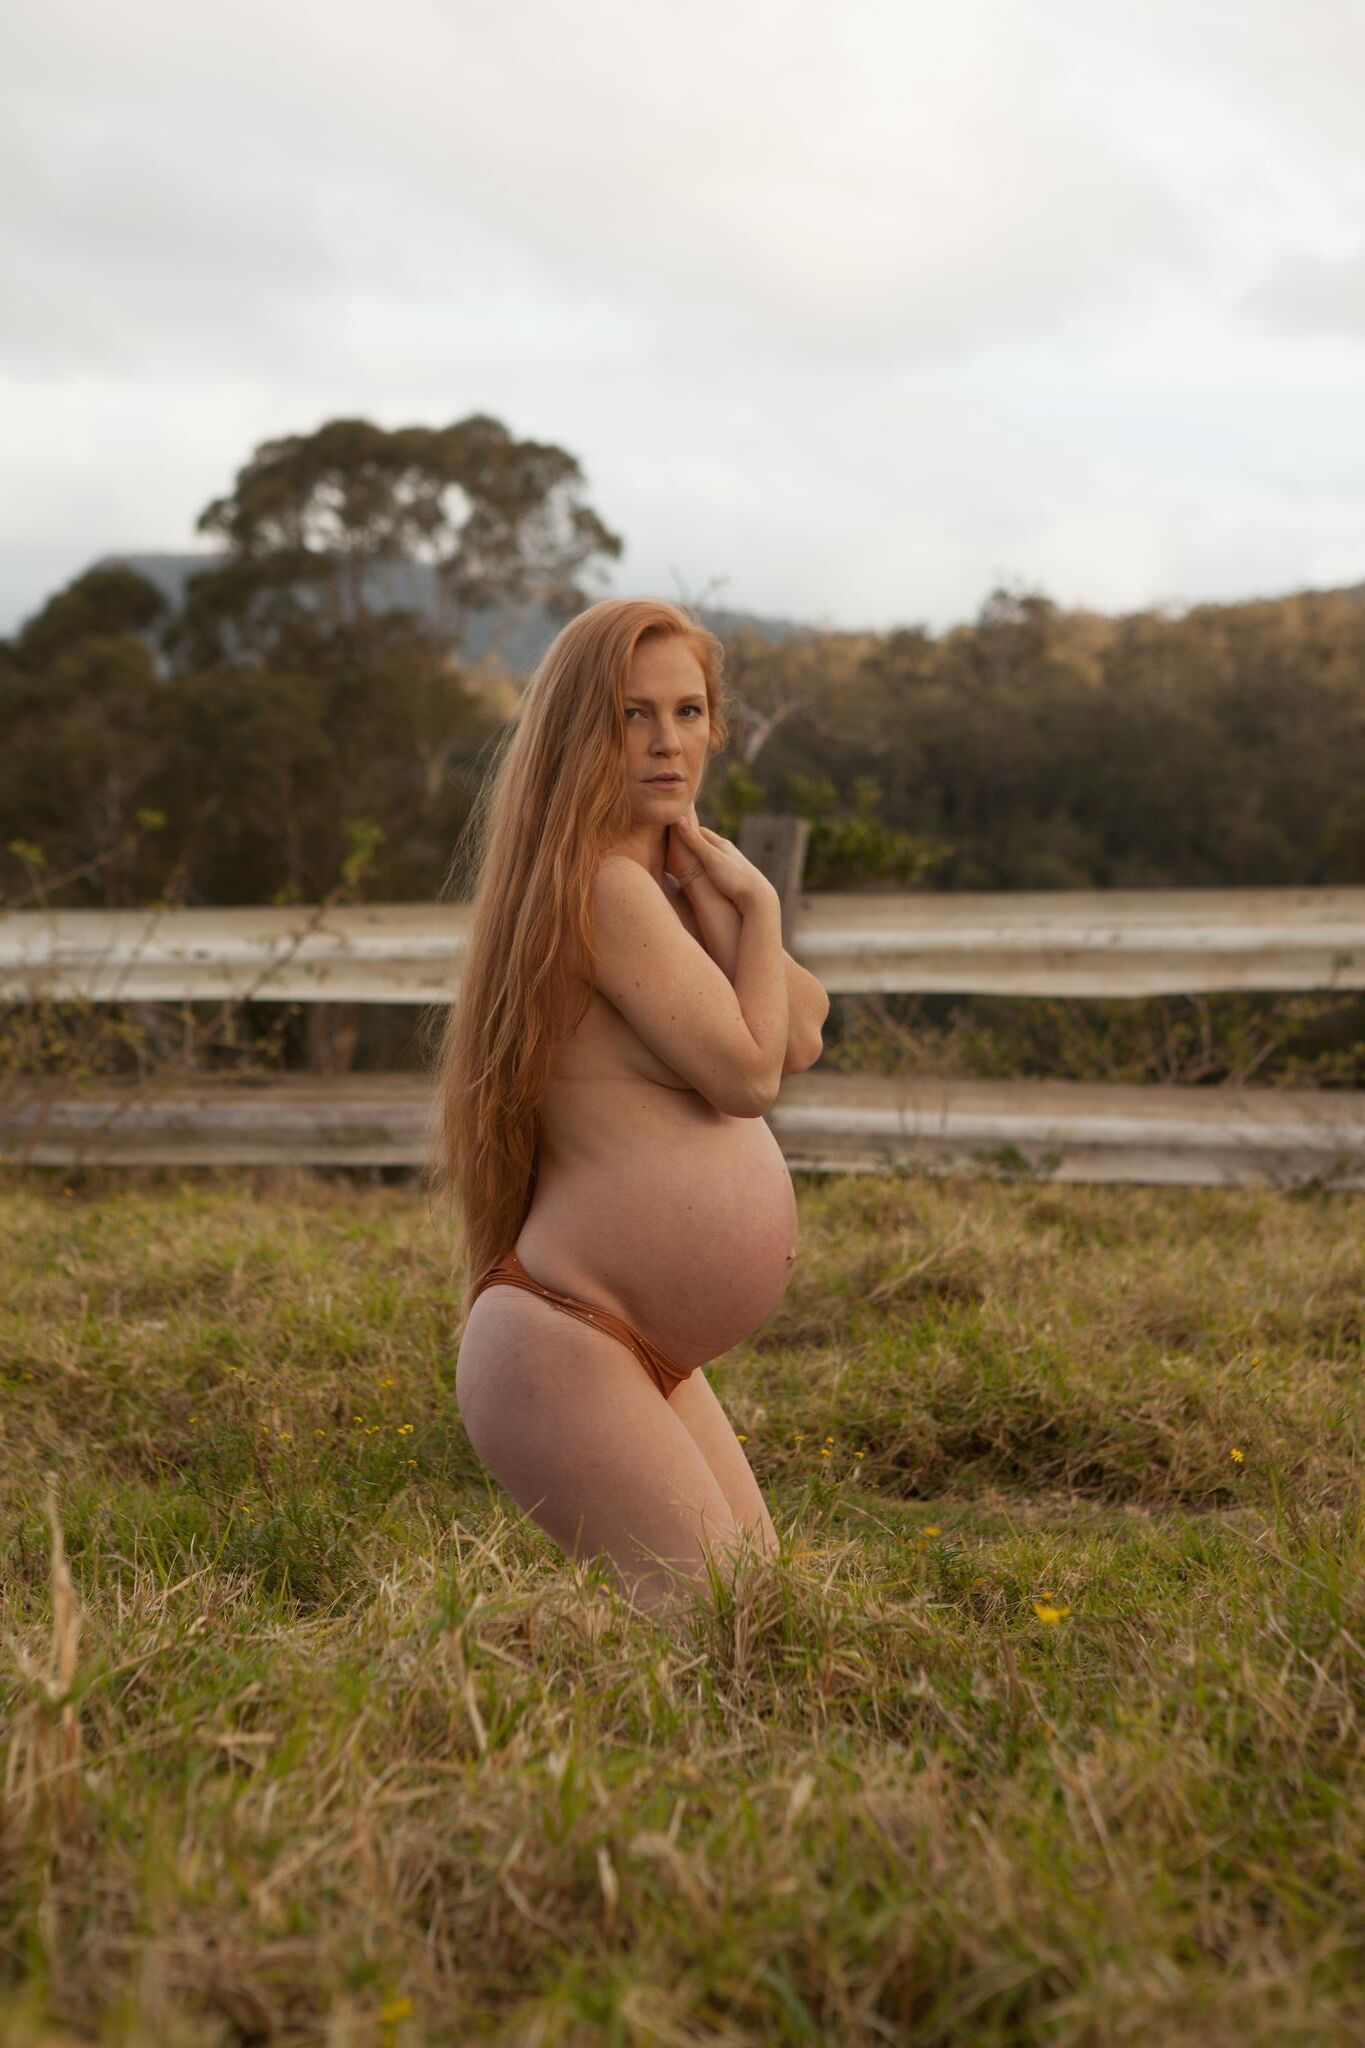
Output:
x=521 y=633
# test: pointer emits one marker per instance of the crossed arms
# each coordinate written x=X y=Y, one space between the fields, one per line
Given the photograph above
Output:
x=719 y=921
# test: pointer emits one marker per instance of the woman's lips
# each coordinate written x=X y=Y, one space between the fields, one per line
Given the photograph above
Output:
x=665 y=781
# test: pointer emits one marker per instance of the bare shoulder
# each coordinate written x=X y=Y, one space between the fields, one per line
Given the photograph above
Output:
x=617 y=871
x=629 y=881
x=619 y=879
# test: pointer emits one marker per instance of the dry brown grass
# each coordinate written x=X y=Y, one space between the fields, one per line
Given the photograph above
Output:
x=309 y=1737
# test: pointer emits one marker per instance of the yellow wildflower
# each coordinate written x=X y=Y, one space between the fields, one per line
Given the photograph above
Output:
x=1051 y=1615
x=1238 y=1457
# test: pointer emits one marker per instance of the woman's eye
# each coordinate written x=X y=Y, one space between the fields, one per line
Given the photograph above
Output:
x=695 y=708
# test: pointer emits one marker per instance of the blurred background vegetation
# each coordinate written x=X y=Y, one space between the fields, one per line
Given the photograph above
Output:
x=309 y=710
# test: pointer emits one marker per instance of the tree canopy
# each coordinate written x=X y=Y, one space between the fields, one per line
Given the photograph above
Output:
x=322 y=531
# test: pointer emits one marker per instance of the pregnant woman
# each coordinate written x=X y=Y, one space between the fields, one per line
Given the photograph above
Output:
x=624 y=1017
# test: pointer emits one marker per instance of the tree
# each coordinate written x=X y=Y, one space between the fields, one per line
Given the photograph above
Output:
x=328 y=535
x=102 y=603
x=83 y=743
x=809 y=677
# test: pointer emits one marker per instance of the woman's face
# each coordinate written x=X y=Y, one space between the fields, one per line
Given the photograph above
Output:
x=668 y=727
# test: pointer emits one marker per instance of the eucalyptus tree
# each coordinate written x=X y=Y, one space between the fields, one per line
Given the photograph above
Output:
x=358 y=534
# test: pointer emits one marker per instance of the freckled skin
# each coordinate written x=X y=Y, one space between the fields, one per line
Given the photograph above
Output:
x=651 y=1203
x=648 y=1199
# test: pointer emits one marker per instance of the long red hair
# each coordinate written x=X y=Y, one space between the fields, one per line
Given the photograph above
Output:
x=556 y=798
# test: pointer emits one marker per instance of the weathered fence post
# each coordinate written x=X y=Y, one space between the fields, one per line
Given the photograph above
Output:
x=330 y=1032
x=777 y=847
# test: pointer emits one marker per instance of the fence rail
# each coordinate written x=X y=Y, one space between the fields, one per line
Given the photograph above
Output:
x=1120 y=942
x=844 y=1123
x=1123 y=942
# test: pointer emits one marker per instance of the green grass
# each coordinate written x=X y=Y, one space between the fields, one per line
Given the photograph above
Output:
x=339 y=1750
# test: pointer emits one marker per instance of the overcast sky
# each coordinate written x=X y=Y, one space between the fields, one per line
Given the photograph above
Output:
x=850 y=311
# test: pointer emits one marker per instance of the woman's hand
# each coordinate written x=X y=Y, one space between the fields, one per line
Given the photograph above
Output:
x=718 y=921
x=680 y=861
x=692 y=845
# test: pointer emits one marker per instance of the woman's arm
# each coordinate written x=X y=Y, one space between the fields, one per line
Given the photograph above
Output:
x=718 y=921
x=761 y=991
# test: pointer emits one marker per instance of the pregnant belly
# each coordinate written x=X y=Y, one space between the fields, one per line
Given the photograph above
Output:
x=689 y=1230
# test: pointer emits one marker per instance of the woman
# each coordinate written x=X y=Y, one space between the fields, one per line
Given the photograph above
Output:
x=625 y=1013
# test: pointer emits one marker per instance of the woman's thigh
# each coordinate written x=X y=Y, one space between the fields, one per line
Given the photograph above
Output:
x=694 y=1401
x=568 y=1421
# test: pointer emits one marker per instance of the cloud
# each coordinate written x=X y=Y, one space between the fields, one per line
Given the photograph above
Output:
x=1295 y=73
x=111 y=258
x=861 y=308
x=1274 y=139
x=1309 y=294
x=854 y=185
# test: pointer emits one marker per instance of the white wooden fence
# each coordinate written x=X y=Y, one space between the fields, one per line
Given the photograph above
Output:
x=1114 y=942
x=1110 y=943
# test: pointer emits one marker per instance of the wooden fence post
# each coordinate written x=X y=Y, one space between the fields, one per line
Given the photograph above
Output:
x=777 y=847
x=330 y=1033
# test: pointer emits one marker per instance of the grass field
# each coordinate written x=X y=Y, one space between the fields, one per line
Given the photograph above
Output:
x=1048 y=1726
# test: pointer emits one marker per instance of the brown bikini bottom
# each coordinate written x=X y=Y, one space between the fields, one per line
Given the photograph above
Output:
x=508 y=1271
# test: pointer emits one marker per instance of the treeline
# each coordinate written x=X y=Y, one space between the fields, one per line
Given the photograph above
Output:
x=232 y=750
x=1041 y=749
x=298 y=727
x=228 y=784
